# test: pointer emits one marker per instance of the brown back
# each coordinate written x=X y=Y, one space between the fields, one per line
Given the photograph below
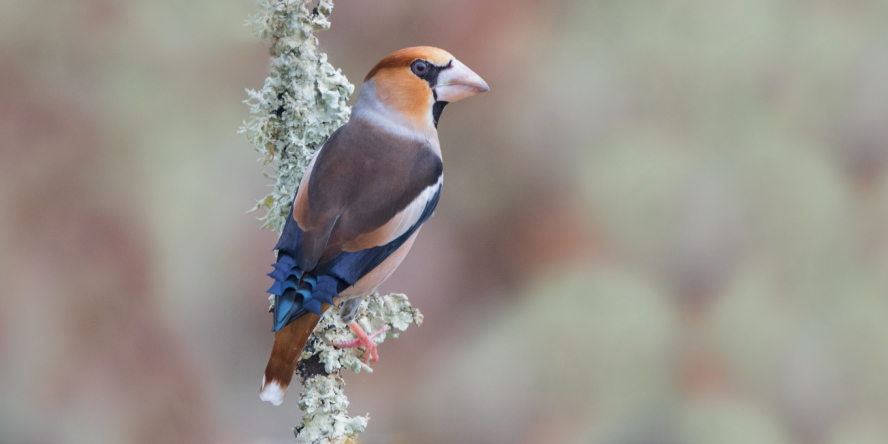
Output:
x=361 y=179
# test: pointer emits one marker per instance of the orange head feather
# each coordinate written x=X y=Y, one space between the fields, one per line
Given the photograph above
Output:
x=400 y=88
x=410 y=81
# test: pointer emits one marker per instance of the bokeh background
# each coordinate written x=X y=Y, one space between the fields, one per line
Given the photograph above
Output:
x=666 y=223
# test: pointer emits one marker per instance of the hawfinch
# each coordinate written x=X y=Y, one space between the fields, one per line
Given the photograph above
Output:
x=362 y=200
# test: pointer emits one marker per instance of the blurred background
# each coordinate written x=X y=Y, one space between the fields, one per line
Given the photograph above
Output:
x=666 y=223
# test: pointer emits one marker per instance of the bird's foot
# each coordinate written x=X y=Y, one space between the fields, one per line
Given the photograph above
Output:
x=363 y=340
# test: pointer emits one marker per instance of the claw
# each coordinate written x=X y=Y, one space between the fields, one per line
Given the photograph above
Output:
x=363 y=340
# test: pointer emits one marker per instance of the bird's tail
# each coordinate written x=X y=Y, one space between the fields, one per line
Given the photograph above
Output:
x=288 y=344
x=300 y=301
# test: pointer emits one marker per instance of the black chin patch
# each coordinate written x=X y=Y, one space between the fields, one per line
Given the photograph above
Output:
x=437 y=109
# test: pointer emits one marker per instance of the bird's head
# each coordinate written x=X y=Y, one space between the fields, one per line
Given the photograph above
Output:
x=417 y=82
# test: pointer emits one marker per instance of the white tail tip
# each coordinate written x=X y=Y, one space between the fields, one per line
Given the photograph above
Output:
x=271 y=392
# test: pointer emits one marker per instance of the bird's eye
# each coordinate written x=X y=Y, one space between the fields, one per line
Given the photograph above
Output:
x=419 y=67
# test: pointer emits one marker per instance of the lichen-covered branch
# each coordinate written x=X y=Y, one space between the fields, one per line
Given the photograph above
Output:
x=302 y=102
x=326 y=419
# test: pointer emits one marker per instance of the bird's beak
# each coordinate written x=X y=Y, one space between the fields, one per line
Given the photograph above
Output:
x=458 y=82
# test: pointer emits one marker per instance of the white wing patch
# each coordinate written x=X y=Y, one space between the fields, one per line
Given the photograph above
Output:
x=409 y=215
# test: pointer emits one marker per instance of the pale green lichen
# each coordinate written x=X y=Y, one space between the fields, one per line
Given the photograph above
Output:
x=326 y=419
x=392 y=310
x=302 y=102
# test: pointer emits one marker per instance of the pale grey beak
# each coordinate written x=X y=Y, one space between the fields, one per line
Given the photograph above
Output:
x=458 y=82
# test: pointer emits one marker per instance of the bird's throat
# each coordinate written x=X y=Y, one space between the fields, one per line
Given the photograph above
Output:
x=437 y=109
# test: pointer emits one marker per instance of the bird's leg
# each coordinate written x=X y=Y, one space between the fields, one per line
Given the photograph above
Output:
x=357 y=342
x=349 y=309
x=363 y=340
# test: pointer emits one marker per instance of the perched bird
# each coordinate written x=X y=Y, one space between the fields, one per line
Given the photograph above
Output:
x=362 y=200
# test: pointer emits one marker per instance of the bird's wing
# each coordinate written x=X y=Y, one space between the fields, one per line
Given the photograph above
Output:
x=363 y=195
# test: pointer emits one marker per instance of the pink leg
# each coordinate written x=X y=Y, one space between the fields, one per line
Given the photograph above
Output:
x=363 y=340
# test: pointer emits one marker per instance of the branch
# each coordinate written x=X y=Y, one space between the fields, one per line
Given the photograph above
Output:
x=326 y=419
x=302 y=102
